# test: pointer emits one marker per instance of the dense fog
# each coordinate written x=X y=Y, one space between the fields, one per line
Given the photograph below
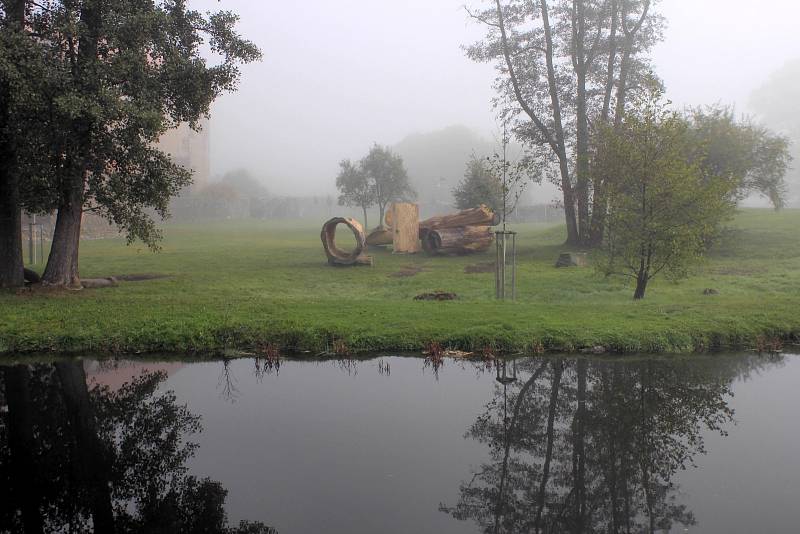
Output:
x=339 y=76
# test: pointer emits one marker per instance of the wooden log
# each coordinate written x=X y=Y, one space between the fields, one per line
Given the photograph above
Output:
x=480 y=216
x=380 y=236
x=405 y=230
x=337 y=256
x=462 y=240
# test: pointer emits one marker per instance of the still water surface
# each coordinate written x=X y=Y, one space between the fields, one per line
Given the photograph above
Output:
x=390 y=444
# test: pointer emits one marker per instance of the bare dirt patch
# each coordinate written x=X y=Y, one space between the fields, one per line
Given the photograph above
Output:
x=475 y=268
x=140 y=277
x=406 y=271
x=436 y=295
x=738 y=271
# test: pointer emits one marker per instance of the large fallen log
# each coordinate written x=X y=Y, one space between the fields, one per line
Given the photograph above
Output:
x=480 y=216
x=337 y=256
x=462 y=240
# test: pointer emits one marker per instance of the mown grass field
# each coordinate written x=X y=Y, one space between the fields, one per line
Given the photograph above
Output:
x=242 y=284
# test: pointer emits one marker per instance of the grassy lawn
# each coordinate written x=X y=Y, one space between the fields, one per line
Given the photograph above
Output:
x=240 y=284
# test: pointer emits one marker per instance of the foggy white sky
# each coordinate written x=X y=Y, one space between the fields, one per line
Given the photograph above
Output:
x=337 y=76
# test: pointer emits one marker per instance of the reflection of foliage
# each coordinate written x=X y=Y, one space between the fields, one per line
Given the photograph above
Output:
x=592 y=446
x=111 y=460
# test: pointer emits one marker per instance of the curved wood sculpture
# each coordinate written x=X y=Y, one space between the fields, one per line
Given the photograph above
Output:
x=462 y=240
x=337 y=256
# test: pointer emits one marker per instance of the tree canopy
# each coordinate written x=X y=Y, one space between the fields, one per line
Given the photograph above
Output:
x=663 y=206
x=751 y=156
x=479 y=186
x=103 y=460
x=563 y=66
x=586 y=445
x=378 y=178
x=775 y=105
x=119 y=74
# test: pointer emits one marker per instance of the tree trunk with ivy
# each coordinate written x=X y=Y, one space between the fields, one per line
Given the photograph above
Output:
x=11 y=261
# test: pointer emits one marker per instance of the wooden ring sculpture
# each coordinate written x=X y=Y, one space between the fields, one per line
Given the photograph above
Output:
x=337 y=256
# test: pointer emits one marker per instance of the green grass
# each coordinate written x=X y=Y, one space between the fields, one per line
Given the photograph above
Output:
x=235 y=285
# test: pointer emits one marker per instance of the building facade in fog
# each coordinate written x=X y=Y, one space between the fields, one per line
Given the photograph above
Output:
x=190 y=149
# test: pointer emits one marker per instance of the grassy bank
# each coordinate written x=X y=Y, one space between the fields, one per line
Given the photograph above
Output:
x=244 y=284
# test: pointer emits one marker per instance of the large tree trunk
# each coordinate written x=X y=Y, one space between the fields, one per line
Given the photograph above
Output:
x=579 y=452
x=548 y=454
x=554 y=138
x=480 y=216
x=92 y=465
x=573 y=231
x=62 y=263
x=581 y=63
x=641 y=284
x=11 y=262
x=21 y=443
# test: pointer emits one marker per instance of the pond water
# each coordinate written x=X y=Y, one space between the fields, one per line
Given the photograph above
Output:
x=396 y=444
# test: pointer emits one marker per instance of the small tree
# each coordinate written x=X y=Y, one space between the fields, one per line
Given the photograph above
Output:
x=377 y=179
x=662 y=205
x=479 y=186
x=354 y=187
x=387 y=177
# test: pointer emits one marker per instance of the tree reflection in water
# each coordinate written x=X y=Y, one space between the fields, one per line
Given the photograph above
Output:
x=76 y=459
x=589 y=445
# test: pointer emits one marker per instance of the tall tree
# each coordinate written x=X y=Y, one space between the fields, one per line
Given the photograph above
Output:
x=132 y=71
x=25 y=127
x=559 y=63
x=13 y=20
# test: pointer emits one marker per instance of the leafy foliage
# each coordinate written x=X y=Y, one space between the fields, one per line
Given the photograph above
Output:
x=125 y=72
x=774 y=103
x=745 y=153
x=141 y=435
x=563 y=66
x=387 y=177
x=663 y=207
x=354 y=187
x=585 y=445
x=479 y=186
x=377 y=179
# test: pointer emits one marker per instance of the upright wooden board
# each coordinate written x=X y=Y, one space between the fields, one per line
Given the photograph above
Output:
x=405 y=228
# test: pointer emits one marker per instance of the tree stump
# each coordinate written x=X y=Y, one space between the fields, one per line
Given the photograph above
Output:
x=405 y=228
x=337 y=256
x=572 y=259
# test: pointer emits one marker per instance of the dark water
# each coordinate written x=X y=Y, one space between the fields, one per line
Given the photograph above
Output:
x=688 y=444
